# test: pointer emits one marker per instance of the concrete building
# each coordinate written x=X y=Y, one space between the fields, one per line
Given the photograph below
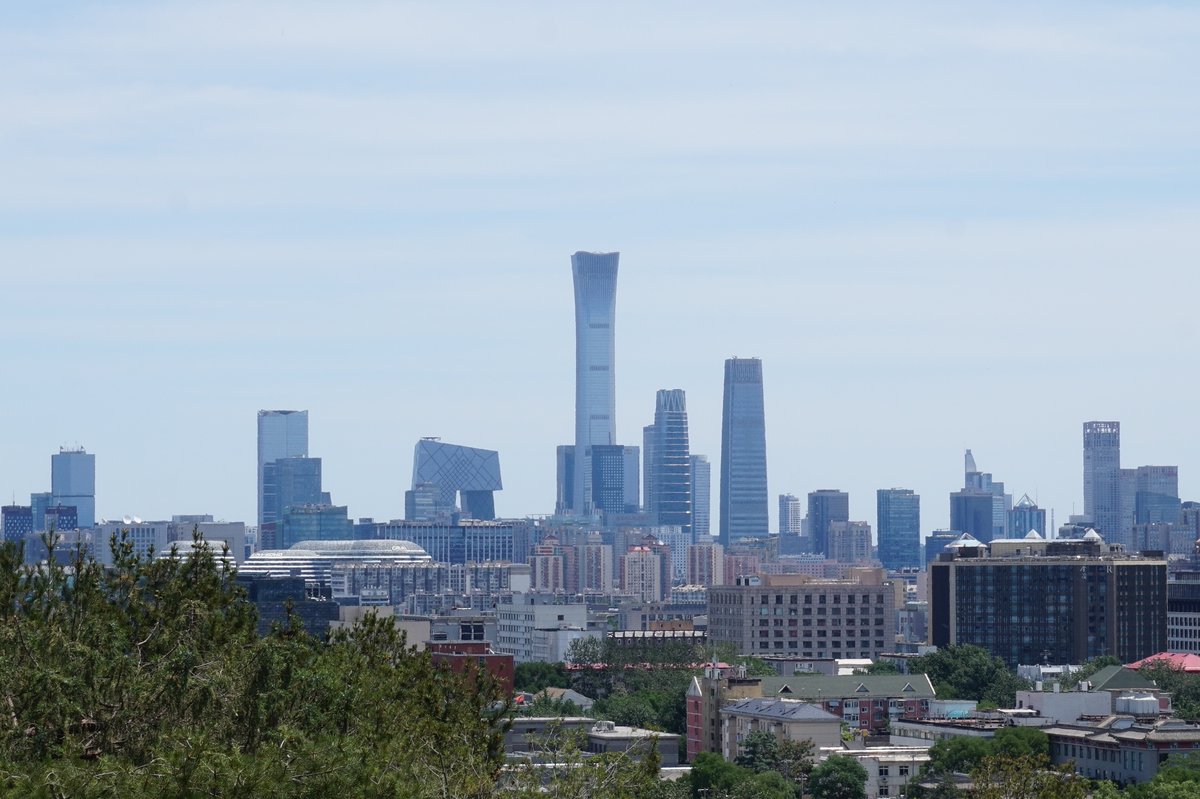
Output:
x=826 y=506
x=642 y=574
x=786 y=719
x=1030 y=600
x=706 y=564
x=519 y=619
x=701 y=495
x=850 y=542
x=1120 y=748
x=797 y=614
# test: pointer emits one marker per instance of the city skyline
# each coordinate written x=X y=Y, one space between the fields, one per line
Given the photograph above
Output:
x=780 y=183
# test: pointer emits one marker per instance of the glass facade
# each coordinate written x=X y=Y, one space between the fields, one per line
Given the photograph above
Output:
x=454 y=469
x=701 y=495
x=743 y=453
x=1101 y=477
x=73 y=482
x=672 y=464
x=281 y=434
x=899 y=525
x=595 y=279
x=825 y=507
x=314 y=523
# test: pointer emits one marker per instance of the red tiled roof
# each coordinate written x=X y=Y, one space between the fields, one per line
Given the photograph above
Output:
x=1176 y=660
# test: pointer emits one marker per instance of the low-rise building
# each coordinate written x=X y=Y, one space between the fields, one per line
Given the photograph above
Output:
x=786 y=719
x=1119 y=748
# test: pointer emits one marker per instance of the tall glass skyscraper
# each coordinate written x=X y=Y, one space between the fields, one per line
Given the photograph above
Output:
x=743 y=453
x=701 y=496
x=669 y=470
x=73 y=483
x=281 y=434
x=825 y=506
x=899 y=526
x=595 y=276
x=1102 y=477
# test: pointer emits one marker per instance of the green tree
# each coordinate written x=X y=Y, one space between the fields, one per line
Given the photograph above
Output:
x=1026 y=777
x=969 y=672
x=713 y=775
x=760 y=751
x=1088 y=669
x=535 y=677
x=794 y=760
x=839 y=777
x=1021 y=741
x=957 y=755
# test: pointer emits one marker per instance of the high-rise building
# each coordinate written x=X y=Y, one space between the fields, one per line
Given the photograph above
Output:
x=38 y=502
x=633 y=478
x=824 y=506
x=706 y=564
x=17 y=522
x=1035 y=601
x=701 y=491
x=850 y=542
x=743 y=453
x=1102 y=477
x=281 y=434
x=669 y=471
x=564 y=493
x=935 y=543
x=314 y=523
x=1026 y=516
x=899 y=526
x=791 y=515
x=641 y=574
x=608 y=478
x=981 y=482
x=971 y=511
x=595 y=278
x=468 y=474
x=1157 y=497
x=73 y=483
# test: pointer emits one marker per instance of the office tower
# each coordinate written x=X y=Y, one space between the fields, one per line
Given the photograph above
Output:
x=743 y=453
x=595 y=278
x=281 y=434
x=633 y=478
x=1037 y=601
x=824 y=506
x=38 y=503
x=898 y=516
x=73 y=483
x=972 y=512
x=936 y=542
x=669 y=468
x=701 y=490
x=1102 y=477
x=286 y=483
x=736 y=615
x=468 y=474
x=608 y=478
x=564 y=484
x=1026 y=516
x=850 y=542
x=16 y=522
x=649 y=439
x=981 y=482
x=1157 y=496
x=63 y=518
x=314 y=523
x=1127 y=488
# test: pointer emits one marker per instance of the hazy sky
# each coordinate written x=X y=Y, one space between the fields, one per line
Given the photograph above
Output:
x=939 y=225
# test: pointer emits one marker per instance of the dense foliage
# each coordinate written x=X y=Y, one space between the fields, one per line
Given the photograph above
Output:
x=1183 y=687
x=962 y=754
x=969 y=672
x=149 y=680
x=838 y=777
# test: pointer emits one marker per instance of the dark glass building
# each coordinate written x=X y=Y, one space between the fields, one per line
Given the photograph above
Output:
x=825 y=506
x=1102 y=477
x=899 y=527
x=1026 y=516
x=973 y=512
x=17 y=522
x=608 y=478
x=595 y=279
x=287 y=483
x=1036 y=601
x=669 y=468
x=743 y=453
x=467 y=477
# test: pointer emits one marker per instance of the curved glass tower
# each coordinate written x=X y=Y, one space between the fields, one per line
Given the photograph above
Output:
x=595 y=277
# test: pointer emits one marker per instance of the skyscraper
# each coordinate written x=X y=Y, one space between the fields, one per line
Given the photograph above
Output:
x=899 y=526
x=564 y=495
x=1026 y=516
x=595 y=277
x=281 y=434
x=743 y=453
x=825 y=506
x=1102 y=477
x=1157 y=497
x=791 y=515
x=701 y=491
x=982 y=482
x=669 y=474
x=73 y=483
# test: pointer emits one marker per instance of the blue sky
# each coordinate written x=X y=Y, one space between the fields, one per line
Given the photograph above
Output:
x=940 y=225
